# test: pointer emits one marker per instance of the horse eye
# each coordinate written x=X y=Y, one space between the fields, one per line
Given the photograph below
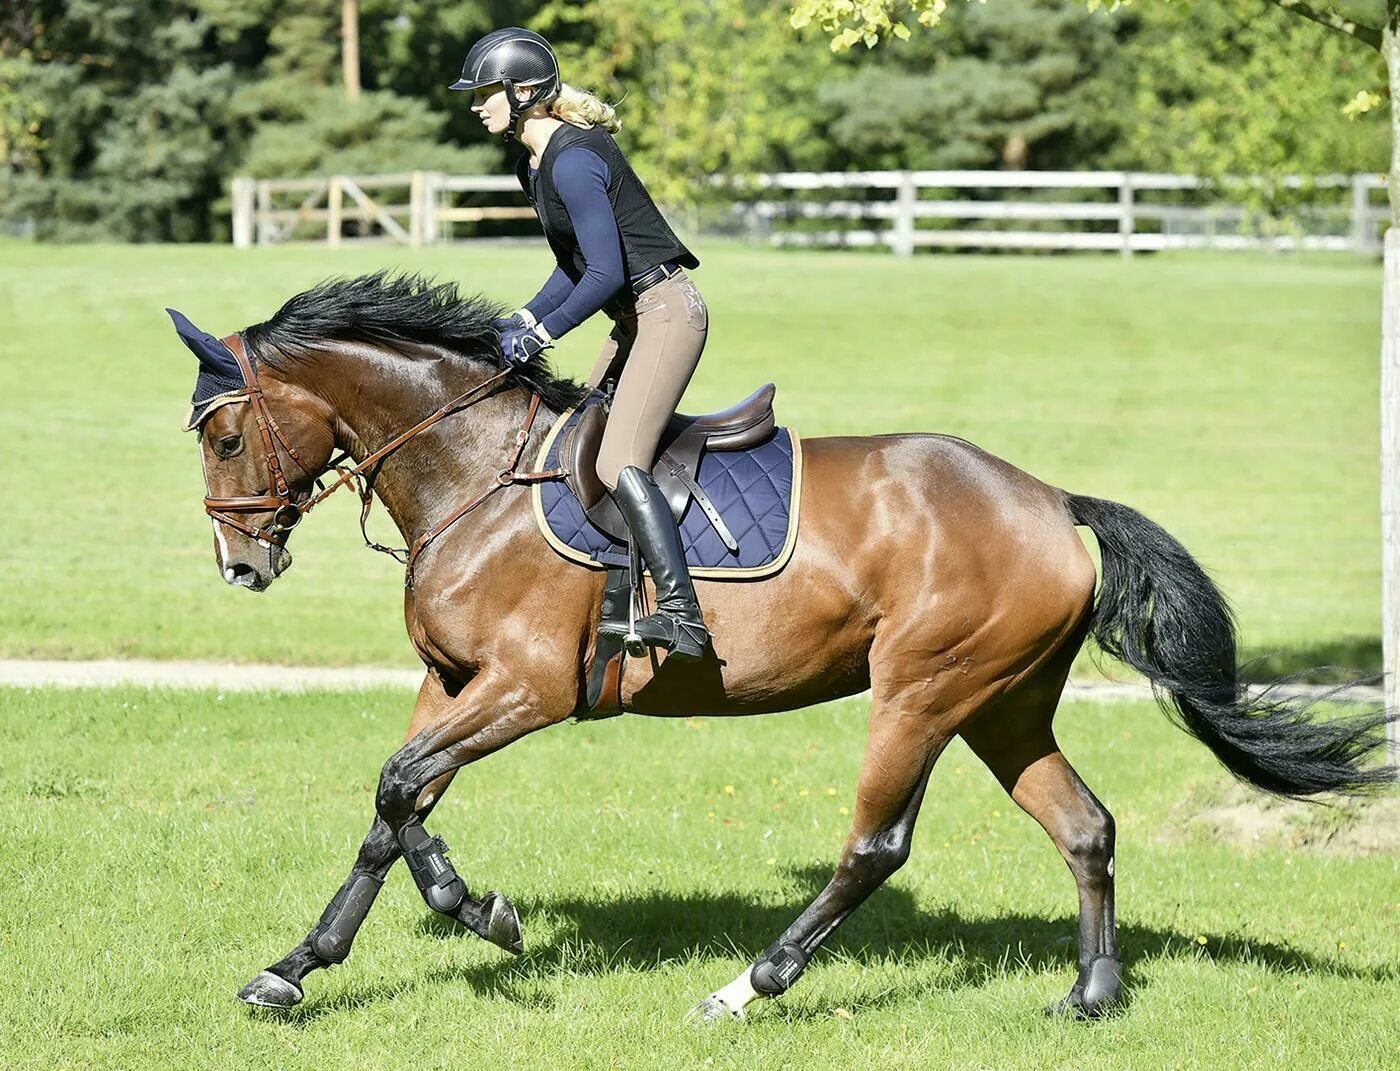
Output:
x=228 y=446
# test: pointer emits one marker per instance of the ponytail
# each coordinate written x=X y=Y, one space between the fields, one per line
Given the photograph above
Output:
x=584 y=109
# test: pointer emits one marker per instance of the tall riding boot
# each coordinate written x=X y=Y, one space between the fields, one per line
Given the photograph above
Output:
x=676 y=625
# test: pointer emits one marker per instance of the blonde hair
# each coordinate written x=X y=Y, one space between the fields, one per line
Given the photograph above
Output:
x=584 y=109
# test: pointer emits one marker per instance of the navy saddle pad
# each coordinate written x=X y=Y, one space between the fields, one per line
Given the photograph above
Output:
x=755 y=490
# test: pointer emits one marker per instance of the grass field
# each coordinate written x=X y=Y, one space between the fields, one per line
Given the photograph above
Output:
x=161 y=847
x=1233 y=399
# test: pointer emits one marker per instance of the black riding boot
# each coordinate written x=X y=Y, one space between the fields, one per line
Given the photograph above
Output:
x=676 y=625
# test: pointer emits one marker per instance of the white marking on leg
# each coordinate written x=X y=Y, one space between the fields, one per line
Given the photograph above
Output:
x=737 y=995
x=1110 y=866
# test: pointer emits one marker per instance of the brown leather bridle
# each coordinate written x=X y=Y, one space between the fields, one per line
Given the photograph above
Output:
x=288 y=509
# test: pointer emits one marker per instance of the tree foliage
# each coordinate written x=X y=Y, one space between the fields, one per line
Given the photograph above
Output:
x=705 y=89
x=127 y=118
x=1239 y=87
x=1013 y=84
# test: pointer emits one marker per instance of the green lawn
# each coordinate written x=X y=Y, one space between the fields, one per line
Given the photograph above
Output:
x=161 y=847
x=1232 y=398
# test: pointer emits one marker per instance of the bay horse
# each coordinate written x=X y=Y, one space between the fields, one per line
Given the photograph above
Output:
x=950 y=584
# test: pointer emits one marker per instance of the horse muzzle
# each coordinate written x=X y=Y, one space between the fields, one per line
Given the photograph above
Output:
x=257 y=575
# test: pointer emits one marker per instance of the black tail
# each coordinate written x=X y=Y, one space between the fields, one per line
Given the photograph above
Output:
x=1161 y=614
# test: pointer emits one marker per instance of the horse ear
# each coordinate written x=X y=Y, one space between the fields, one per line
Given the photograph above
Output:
x=214 y=357
x=220 y=377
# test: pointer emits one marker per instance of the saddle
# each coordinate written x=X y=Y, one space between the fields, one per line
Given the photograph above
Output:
x=677 y=465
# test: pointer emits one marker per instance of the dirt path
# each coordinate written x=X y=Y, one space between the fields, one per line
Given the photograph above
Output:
x=230 y=677
x=246 y=677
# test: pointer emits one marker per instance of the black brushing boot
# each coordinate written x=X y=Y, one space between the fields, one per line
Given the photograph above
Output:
x=676 y=625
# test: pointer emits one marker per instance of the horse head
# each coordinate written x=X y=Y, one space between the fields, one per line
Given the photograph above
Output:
x=263 y=442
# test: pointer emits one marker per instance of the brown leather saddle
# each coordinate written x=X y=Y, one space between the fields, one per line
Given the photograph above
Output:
x=677 y=465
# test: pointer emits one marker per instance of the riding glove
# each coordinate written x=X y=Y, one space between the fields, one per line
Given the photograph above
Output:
x=521 y=344
x=519 y=318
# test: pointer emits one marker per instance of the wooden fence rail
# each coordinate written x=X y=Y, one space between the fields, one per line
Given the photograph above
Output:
x=1120 y=211
x=412 y=208
x=1151 y=211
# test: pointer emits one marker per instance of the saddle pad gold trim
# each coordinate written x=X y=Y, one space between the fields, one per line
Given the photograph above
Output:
x=710 y=573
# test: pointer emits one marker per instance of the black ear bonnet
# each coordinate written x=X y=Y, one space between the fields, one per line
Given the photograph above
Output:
x=220 y=379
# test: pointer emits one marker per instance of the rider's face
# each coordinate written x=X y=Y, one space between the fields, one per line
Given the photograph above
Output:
x=489 y=104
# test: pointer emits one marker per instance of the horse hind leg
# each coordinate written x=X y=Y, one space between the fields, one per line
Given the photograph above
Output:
x=1025 y=758
x=905 y=741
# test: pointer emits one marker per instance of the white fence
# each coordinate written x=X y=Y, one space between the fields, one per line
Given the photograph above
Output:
x=1119 y=211
x=412 y=208
x=1126 y=212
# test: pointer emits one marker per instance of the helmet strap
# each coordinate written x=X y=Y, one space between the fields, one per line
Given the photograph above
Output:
x=519 y=108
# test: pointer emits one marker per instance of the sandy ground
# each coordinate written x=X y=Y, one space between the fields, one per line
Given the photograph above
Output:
x=246 y=677
x=227 y=677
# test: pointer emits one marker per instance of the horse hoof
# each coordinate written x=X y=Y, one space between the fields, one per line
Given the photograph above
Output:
x=713 y=1010
x=503 y=926
x=1098 y=992
x=1068 y=1007
x=270 y=990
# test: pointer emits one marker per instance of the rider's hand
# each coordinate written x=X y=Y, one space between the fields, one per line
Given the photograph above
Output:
x=519 y=318
x=521 y=344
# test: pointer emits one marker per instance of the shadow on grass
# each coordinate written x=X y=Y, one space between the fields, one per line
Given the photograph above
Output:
x=1323 y=663
x=594 y=937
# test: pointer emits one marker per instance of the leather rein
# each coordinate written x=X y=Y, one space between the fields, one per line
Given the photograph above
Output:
x=288 y=509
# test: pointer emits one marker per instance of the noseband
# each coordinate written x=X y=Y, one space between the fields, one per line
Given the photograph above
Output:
x=288 y=509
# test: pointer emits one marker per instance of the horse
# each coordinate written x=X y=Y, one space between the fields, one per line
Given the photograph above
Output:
x=951 y=585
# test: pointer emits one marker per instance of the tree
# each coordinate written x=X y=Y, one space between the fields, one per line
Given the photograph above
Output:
x=125 y=119
x=1244 y=88
x=131 y=115
x=1237 y=87
x=302 y=121
x=1015 y=83
x=691 y=109
x=1374 y=24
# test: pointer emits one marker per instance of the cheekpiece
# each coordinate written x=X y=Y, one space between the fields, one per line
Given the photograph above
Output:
x=220 y=379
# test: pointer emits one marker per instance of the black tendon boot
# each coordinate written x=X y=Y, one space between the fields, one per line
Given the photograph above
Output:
x=676 y=626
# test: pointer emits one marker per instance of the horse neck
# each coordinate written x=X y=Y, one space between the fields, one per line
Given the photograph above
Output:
x=377 y=394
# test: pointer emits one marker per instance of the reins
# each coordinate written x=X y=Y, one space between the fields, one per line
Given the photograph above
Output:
x=287 y=511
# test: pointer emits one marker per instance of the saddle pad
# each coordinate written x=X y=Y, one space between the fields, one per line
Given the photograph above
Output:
x=757 y=492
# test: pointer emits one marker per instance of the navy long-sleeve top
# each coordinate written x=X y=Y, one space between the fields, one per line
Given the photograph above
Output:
x=581 y=177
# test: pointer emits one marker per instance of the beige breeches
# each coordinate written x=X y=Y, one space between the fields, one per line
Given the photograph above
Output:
x=652 y=358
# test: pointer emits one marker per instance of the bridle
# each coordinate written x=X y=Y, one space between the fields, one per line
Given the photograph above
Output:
x=288 y=509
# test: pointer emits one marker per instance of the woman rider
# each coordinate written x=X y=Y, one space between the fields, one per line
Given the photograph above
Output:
x=614 y=252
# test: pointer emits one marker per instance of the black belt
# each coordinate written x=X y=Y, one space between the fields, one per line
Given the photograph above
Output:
x=658 y=274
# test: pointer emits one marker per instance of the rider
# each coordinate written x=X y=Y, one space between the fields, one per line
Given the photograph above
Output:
x=614 y=252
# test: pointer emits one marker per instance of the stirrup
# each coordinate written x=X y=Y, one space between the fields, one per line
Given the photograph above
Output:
x=682 y=639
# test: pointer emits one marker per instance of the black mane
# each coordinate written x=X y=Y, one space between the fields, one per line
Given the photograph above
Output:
x=386 y=308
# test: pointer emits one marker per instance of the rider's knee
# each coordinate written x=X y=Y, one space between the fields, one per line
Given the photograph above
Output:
x=609 y=469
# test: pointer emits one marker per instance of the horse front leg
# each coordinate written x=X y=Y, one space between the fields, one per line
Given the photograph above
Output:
x=329 y=942
x=497 y=712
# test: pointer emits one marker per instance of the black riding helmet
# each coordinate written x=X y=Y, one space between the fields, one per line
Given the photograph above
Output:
x=513 y=56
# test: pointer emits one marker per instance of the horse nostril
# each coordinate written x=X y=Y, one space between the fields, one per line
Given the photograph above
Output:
x=238 y=572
